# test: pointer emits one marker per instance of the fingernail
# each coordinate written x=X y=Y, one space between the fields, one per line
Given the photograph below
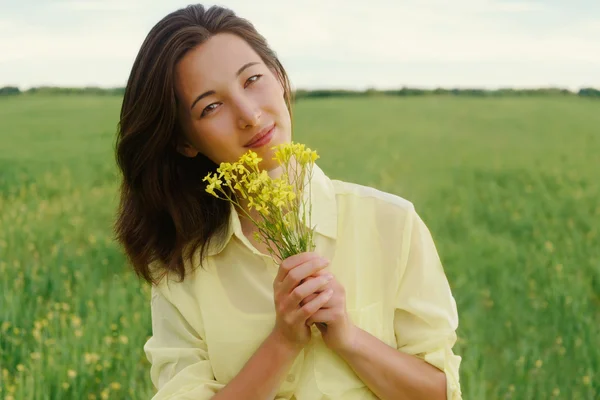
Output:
x=328 y=277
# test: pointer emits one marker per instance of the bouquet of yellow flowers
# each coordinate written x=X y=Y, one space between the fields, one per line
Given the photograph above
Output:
x=279 y=202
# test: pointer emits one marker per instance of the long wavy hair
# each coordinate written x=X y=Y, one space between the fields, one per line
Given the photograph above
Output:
x=165 y=215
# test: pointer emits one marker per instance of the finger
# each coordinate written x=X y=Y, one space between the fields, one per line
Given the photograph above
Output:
x=324 y=315
x=323 y=272
x=320 y=272
x=291 y=262
x=319 y=290
x=305 y=312
x=315 y=294
x=300 y=292
x=297 y=274
x=310 y=297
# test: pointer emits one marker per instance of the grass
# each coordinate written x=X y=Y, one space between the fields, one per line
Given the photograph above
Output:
x=509 y=188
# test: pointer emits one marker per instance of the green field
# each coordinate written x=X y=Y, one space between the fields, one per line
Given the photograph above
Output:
x=508 y=186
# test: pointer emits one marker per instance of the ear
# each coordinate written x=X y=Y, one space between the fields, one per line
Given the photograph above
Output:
x=186 y=149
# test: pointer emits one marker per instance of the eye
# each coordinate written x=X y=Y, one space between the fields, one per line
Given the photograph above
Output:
x=208 y=109
x=252 y=80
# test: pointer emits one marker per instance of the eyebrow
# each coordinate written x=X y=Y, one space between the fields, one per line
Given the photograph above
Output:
x=211 y=92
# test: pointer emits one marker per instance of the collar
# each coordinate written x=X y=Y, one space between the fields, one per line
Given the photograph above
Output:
x=323 y=214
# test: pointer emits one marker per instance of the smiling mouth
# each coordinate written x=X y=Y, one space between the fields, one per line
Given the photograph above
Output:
x=262 y=138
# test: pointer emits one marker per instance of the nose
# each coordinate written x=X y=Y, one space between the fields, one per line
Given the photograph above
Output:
x=248 y=114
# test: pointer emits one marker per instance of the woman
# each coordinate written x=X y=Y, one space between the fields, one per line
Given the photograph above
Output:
x=228 y=322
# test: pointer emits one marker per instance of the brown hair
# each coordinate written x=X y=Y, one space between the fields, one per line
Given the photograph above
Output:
x=164 y=209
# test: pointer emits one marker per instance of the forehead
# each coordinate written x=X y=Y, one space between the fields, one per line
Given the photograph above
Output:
x=215 y=61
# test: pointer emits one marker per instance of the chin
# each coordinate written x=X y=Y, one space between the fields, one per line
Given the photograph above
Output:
x=268 y=164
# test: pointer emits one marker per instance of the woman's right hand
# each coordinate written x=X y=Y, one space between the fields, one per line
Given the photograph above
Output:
x=290 y=290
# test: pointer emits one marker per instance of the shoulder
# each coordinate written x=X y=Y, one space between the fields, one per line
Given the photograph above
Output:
x=170 y=286
x=356 y=197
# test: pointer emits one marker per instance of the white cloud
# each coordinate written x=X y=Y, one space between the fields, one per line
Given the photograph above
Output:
x=329 y=43
x=516 y=7
x=99 y=5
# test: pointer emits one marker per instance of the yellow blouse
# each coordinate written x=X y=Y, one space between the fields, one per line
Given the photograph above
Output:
x=207 y=327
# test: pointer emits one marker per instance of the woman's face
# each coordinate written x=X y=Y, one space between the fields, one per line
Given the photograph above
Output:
x=226 y=96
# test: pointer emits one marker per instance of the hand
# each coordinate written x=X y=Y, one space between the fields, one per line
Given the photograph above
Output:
x=337 y=330
x=290 y=289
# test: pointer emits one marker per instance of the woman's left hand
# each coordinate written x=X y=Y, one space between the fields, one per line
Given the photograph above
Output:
x=339 y=331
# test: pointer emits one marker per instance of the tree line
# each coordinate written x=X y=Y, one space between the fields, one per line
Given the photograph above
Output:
x=321 y=93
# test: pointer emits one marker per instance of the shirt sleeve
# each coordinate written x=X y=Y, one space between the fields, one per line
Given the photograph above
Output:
x=180 y=366
x=425 y=316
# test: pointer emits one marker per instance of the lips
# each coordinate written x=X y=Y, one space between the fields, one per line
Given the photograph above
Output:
x=260 y=135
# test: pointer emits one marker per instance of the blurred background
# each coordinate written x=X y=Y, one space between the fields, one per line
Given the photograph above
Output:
x=485 y=114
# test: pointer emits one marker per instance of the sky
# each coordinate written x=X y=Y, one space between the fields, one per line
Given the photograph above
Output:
x=350 y=44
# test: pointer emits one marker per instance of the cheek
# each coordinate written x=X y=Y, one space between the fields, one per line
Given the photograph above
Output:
x=273 y=91
x=210 y=135
x=218 y=126
x=277 y=105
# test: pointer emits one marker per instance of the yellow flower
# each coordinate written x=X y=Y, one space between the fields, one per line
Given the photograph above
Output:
x=271 y=198
x=265 y=194
x=253 y=186
x=241 y=169
x=264 y=177
x=210 y=189
x=241 y=190
x=224 y=167
x=279 y=203
x=91 y=358
x=71 y=373
x=251 y=158
x=282 y=154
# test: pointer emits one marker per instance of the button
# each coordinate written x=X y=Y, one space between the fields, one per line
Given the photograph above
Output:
x=290 y=378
